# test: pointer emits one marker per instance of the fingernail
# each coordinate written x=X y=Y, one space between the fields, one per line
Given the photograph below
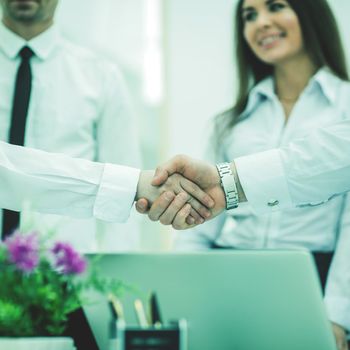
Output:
x=141 y=206
x=200 y=221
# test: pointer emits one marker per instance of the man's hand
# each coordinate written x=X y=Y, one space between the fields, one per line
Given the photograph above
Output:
x=340 y=337
x=201 y=173
x=175 y=189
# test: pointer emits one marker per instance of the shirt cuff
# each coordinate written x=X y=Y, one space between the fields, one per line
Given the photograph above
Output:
x=263 y=180
x=338 y=310
x=116 y=193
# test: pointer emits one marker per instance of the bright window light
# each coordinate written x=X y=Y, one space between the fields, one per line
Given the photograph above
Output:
x=153 y=59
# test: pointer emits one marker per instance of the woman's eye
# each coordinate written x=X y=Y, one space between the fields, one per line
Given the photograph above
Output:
x=249 y=16
x=276 y=6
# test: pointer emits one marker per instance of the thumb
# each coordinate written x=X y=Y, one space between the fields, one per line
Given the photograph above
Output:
x=160 y=176
x=174 y=165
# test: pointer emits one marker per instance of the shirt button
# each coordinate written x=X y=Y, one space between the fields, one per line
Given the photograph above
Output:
x=273 y=202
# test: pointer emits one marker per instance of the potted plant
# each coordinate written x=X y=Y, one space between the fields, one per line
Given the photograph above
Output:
x=40 y=286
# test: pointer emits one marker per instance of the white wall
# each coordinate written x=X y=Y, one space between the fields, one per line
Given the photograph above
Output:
x=341 y=9
x=115 y=29
x=199 y=77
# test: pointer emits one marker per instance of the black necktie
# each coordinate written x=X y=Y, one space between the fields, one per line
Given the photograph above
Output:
x=20 y=107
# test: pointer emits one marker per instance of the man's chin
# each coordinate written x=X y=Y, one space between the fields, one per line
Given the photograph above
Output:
x=25 y=11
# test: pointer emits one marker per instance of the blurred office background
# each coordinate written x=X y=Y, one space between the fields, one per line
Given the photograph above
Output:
x=177 y=60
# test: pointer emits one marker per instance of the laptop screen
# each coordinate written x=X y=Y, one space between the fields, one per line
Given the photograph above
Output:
x=232 y=300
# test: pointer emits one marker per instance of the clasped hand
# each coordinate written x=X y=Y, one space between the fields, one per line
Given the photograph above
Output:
x=183 y=192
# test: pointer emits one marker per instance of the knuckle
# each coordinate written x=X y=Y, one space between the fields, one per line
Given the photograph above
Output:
x=168 y=185
x=180 y=158
x=176 y=177
x=159 y=169
x=184 y=196
x=192 y=187
x=190 y=200
x=167 y=197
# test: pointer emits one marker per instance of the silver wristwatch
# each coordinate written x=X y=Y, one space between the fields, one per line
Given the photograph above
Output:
x=229 y=185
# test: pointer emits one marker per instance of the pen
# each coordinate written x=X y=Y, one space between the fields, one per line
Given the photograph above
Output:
x=156 y=318
x=140 y=313
x=113 y=312
x=116 y=307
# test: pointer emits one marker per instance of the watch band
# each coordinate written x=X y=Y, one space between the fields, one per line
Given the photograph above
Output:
x=228 y=184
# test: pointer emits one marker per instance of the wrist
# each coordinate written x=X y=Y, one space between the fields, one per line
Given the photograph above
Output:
x=228 y=185
x=144 y=188
x=138 y=193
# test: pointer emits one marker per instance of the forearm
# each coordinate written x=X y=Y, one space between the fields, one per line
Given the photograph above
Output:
x=307 y=172
x=59 y=184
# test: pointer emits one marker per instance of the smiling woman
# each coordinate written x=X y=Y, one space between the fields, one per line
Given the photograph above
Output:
x=320 y=39
x=292 y=79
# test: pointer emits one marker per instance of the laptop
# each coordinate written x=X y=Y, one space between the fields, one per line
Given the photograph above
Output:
x=232 y=300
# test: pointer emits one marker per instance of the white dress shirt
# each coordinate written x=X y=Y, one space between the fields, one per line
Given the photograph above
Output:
x=277 y=175
x=59 y=184
x=78 y=106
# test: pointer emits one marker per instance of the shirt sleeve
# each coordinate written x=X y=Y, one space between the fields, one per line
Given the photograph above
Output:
x=58 y=184
x=337 y=293
x=307 y=172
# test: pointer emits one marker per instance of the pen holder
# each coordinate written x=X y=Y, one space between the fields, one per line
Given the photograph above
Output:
x=164 y=337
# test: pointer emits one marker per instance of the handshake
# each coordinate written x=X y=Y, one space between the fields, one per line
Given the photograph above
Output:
x=183 y=192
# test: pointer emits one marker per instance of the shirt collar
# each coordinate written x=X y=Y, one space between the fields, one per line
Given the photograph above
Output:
x=323 y=79
x=264 y=89
x=327 y=82
x=42 y=45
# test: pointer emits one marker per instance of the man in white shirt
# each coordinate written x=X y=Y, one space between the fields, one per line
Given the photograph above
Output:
x=78 y=106
x=60 y=184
